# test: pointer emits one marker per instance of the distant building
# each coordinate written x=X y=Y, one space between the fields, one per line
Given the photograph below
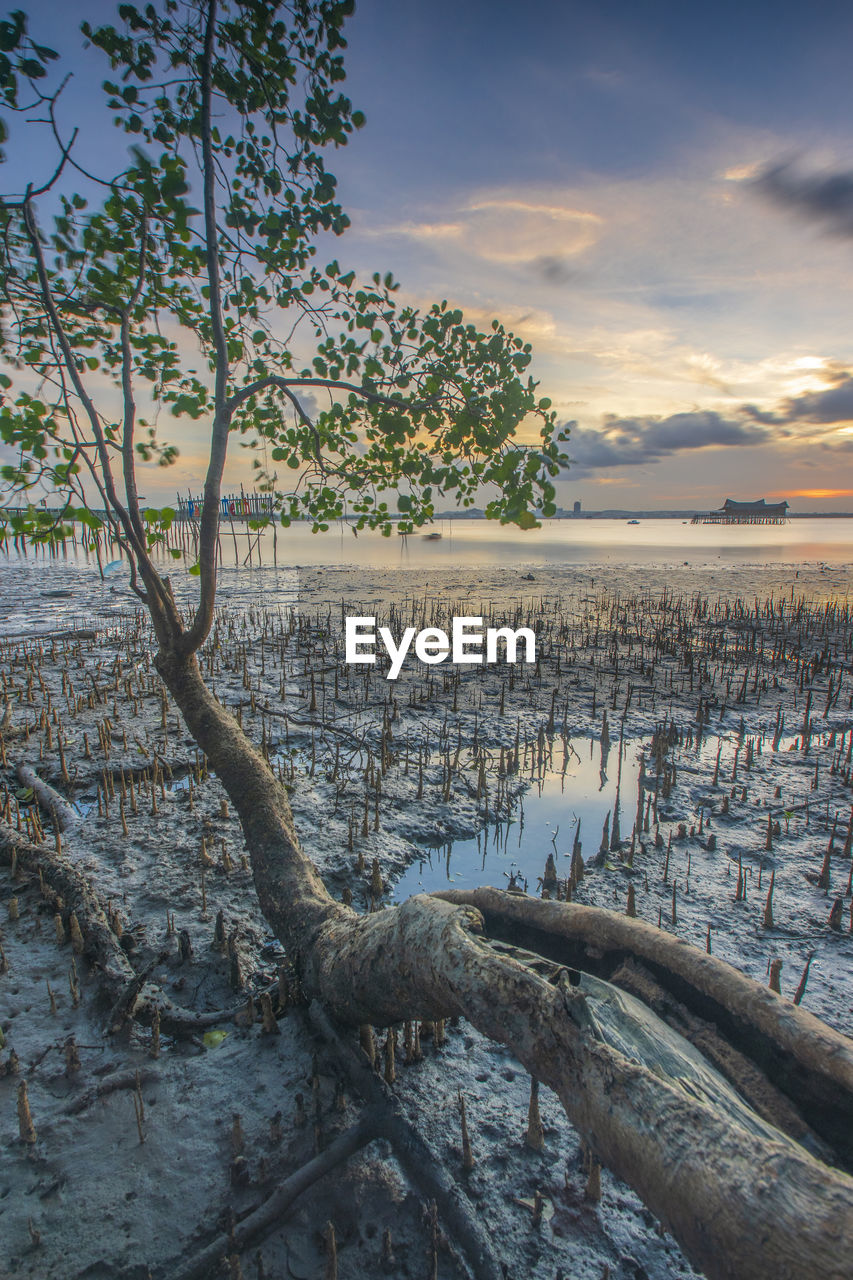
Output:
x=756 y=512
x=576 y=509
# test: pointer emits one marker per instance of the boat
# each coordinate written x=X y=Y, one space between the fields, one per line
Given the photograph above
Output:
x=633 y=522
x=432 y=537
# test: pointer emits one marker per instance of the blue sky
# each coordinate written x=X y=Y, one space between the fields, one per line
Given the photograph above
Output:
x=589 y=173
x=658 y=196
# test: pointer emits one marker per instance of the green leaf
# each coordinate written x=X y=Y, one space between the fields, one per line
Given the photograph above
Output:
x=439 y=409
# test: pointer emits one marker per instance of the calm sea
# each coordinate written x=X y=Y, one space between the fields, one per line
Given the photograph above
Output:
x=565 y=542
x=41 y=593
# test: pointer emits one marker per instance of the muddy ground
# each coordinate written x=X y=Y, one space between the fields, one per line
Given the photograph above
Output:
x=734 y=690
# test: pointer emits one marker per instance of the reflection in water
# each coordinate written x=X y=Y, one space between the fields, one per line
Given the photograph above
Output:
x=575 y=806
x=560 y=542
x=577 y=803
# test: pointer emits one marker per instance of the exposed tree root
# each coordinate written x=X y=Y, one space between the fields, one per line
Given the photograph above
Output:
x=633 y=1027
x=69 y=892
x=745 y=1203
x=48 y=797
x=110 y=1084
x=305 y=722
x=421 y=1165
x=382 y=1118
x=718 y=1184
x=129 y=994
x=749 y=1080
x=807 y=1067
x=268 y=1214
x=39 y=637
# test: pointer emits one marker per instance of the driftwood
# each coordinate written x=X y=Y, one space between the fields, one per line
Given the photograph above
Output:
x=744 y=1204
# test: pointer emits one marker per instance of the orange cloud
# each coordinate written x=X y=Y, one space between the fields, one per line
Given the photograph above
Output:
x=820 y=493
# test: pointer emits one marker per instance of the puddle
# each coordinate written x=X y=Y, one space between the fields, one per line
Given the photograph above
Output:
x=573 y=791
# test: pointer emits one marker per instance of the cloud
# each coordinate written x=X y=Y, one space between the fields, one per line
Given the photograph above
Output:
x=838 y=446
x=822 y=197
x=700 y=429
x=421 y=230
x=822 y=493
x=638 y=441
x=809 y=419
x=832 y=405
x=507 y=230
x=553 y=269
x=825 y=407
x=742 y=172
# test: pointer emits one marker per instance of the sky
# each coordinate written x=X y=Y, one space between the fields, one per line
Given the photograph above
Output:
x=658 y=196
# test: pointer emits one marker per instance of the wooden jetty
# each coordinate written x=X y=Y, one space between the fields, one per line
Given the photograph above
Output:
x=238 y=517
x=233 y=506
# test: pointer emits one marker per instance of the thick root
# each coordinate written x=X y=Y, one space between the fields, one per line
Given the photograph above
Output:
x=800 y=1056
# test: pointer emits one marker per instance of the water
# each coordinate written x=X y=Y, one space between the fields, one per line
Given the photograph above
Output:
x=474 y=543
x=575 y=790
x=39 y=593
x=575 y=797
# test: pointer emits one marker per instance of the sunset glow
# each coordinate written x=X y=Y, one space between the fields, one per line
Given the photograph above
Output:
x=821 y=493
x=615 y=186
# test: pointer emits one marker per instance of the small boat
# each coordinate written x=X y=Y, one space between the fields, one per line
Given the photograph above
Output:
x=432 y=537
x=633 y=522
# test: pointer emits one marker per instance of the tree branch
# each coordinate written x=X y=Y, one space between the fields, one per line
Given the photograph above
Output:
x=164 y=614
x=209 y=522
x=128 y=461
x=371 y=397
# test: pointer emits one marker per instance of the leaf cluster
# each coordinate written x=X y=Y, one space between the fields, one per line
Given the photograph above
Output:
x=188 y=282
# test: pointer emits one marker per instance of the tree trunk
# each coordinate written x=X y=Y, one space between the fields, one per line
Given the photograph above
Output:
x=744 y=1201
